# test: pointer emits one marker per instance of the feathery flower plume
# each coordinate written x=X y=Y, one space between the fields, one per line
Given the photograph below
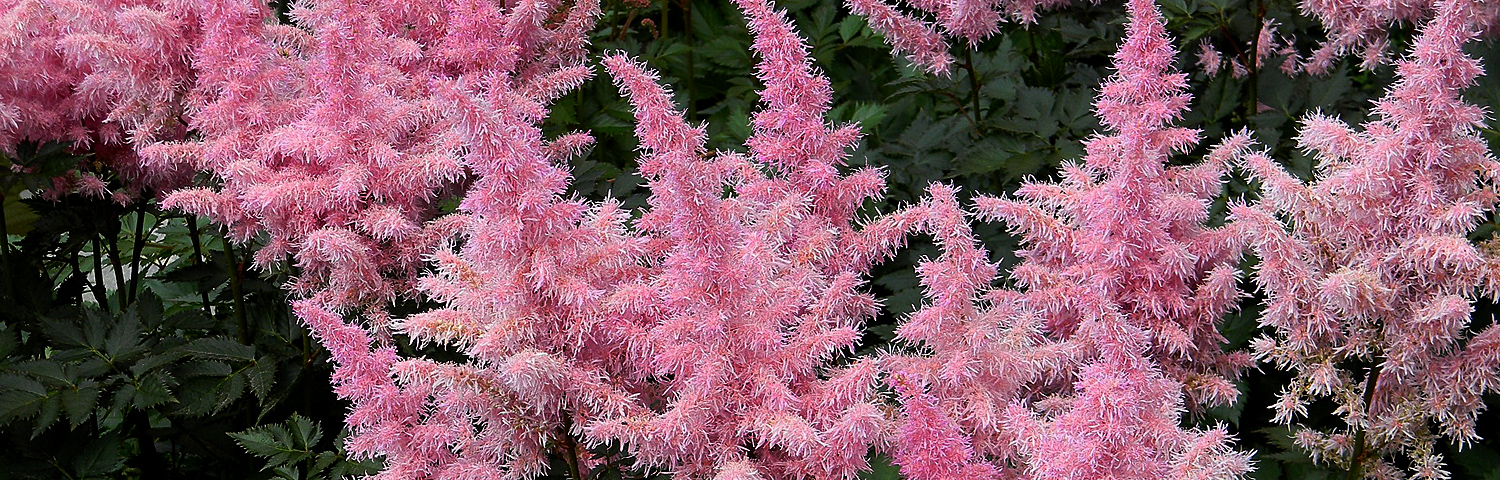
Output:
x=750 y=296
x=1370 y=288
x=1124 y=287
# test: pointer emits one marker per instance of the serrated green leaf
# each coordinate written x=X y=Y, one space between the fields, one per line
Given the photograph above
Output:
x=219 y=348
x=98 y=459
x=49 y=370
x=850 y=27
x=124 y=338
x=47 y=414
x=280 y=444
x=304 y=431
x=148 y=309
x=153 y=389
x=78 y=403
x=262 y=376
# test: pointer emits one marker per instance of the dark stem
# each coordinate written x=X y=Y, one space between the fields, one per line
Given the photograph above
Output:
x=98 y=287
x=1254 y=61
x=150 y=461
x=4 y=246
x=73 y=262
x=236 y=288
x=626 y=26
x=113 y=245
x=1357 y=461
x=666 y=6
x=570 y=449
x=973 y=84
x=198 y=258
x=135 y=254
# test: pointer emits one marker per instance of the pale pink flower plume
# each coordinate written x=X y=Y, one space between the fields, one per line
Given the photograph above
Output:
x=1086 y=373
x=1209 y=59
x=1370 y=286
x=747 y=298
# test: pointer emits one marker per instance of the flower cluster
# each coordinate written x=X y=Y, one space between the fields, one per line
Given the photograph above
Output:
x=1370 y=287
x=706 y=334
x=1084 y=373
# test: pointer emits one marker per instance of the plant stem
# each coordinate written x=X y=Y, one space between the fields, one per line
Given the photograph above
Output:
x=135 y=254
x=973 y=84
x=236 y=288
x=4 y=246
x=150 y=461
x=198 y=258
x=687 y=28
x=100 y=294
x=570 y=449
x=112 y=242
x=1357 y=460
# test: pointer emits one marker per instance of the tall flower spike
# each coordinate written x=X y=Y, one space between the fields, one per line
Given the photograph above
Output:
x=1370 y=286
x=1123 y=289
x=1140 y=290
x=750 y=295
x=110 y=77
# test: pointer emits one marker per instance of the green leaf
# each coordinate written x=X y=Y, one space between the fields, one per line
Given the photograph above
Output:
x=44 y=370
x=850 y=27
x=153 y=389
x=51 y=406
x=99 y=458
x=78 y=403
x=124 y=338
x=281 y=444
x=1326 y=92
x=881 y=469
x=219 y=348
x=20 y=397
x=262 y=377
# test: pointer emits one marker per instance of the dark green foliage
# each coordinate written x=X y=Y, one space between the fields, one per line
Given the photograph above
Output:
x=290 y=450
x=121 y=350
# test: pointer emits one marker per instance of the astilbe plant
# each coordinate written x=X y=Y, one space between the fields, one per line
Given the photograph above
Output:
x=1085 y=373
x=1370 y=284
x=108 y=77
x=747 y=296
x=698 y=336
x=339 y=141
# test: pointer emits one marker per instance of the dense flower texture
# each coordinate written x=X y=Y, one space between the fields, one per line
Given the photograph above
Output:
x=696 y=337
x=703 y=336
x=107 y=76
x=748 y=296
x=339 y=140
x=1117 y=324
x=1370 y=289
